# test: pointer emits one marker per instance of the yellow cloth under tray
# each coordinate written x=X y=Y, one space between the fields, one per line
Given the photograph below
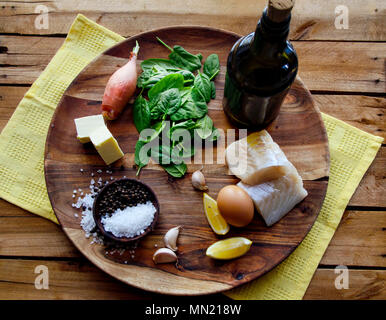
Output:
x=351 y=153
x=23 y=139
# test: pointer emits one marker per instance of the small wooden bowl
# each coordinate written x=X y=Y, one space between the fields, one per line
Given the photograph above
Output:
x=98 y=217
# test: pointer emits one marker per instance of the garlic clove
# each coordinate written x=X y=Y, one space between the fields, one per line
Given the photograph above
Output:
x=198 y=181
x=170 y=238
x=164 y=255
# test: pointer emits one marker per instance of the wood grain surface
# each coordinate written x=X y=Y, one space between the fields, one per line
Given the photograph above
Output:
x=361 y=67
x=311 y=21
x=27 y=240
x=17 y=279
x=305 y=145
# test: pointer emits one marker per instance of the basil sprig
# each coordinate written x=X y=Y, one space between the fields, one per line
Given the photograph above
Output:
x=176 y=90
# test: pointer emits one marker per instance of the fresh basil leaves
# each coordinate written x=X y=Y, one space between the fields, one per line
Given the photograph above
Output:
x=204 y=127
x=202 y=84
x=141 y=113
x=179 y=92
x=182 y=58
x=212 y=66
x=212 y=90
x=163 y=64
x=193 y=106
x=141 y=157
x=176 y=170
x=173 y=80
x=165 y=103
x=150 y=77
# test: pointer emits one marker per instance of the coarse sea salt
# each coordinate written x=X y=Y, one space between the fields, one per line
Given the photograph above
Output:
x=85 y=204
x=87 y=223
x=131 y=221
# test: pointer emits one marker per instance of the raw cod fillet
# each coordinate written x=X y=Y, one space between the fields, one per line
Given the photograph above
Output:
x=266 y=175
x=256 y=159
x=275 y=198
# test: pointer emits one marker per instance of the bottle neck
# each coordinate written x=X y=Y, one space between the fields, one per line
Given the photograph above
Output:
x=270 y=35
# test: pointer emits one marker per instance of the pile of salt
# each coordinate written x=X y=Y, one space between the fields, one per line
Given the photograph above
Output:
x=131 y=221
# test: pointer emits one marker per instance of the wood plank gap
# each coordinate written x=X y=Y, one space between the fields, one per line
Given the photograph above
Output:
x=80 y=259
x=373 y=268
x=53 y=35
x=365 y=208
x=349 y=93
x=322 y=179
x=23 y=85
x=340 y=40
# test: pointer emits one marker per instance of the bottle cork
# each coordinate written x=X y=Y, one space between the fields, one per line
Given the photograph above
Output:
x=279 y=10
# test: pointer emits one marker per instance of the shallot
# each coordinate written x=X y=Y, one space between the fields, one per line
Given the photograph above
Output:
x=120 y=87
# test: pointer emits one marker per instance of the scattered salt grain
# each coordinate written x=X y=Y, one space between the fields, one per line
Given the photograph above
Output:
x=131 y=221
x=81 y=170
x=137 y=218
x=87 y=223
x=96 y=238
x=99 y=171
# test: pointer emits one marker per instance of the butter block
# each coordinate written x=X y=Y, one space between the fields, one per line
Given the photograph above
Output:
x=106 y=144
x=86 y=125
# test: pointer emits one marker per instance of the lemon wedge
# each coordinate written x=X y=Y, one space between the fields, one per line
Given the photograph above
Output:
x=215 y=219
x=229 y=248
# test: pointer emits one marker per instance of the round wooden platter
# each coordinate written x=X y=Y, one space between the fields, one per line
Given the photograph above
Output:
x=298 y=130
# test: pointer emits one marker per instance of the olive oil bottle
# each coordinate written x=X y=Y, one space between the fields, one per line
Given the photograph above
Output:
x=260 y=69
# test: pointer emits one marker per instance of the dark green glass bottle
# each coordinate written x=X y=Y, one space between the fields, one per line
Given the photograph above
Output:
x=260 y=69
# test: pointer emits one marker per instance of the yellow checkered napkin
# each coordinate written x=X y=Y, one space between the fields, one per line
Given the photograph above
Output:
x=22 y=149
x=351 y=153
x=23 y=139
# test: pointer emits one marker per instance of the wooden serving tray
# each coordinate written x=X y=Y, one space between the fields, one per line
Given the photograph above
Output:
x=298 y=130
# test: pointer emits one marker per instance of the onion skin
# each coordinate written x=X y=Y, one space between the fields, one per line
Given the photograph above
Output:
x=120 y=88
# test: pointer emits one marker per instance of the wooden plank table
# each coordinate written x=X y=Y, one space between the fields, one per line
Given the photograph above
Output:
x=343 y=68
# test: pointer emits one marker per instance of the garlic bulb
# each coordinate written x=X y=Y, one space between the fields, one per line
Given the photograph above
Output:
x=198 y=181
x=164 y=255
x=170 y=238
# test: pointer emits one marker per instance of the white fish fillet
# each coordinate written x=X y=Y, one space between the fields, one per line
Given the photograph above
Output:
x=256 y=159
x=274 y=199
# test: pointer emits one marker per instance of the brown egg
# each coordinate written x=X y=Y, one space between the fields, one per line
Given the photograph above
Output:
x=235 y=205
